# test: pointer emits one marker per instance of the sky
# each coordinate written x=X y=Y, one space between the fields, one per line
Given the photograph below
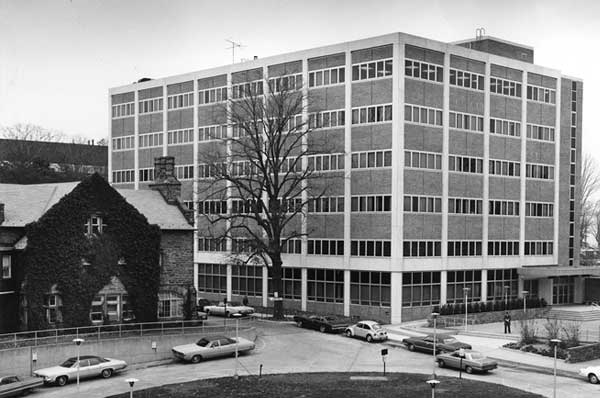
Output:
x=59 y=58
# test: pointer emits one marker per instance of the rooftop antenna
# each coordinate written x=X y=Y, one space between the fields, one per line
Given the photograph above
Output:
x=479 y=33
x=234 y=45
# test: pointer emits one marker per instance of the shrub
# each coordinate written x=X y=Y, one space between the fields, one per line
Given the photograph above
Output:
x=572 y=331
x=528 y=332
x=552 y=327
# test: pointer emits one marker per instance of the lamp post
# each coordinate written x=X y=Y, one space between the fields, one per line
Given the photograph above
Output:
x=434 y=315
x=131 y=382
x=506 y=288
x=237 y=338
x=78 y=343
x=556 y=342
x=525 y=293
x=466 y=290
x=433 y=384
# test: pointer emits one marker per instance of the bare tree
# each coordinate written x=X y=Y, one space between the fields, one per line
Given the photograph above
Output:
x=264 y=173
x=32 y=132
x=588 y=185
x=595 y=224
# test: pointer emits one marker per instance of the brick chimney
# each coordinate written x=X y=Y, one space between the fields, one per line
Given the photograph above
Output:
x=1 y=213
x=165 y=181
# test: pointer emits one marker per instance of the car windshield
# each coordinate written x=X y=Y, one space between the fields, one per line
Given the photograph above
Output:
x=449 y=340
x=68 y=363
x=234 y=304
x=376 y=326
x=330 y=318
x=202 y=342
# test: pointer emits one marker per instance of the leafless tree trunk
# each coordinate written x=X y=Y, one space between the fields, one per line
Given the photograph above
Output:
x=588 y=185
x=262 y=181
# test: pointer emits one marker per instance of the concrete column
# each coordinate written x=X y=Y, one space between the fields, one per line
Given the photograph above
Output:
x=229 y=273
x=520 y=286
x=523 y=169
x=486 y=167
x=579 y=286
x=443 y=287
x=347 y=158
x=304 y=287
x=346 y=292
x=165 y=114
x=136 y=144
x=445 y=175
x=557 y=174
x=397 y=234
x=110 y=140
x=396 y=297
x=545 y=289
x=304 y=215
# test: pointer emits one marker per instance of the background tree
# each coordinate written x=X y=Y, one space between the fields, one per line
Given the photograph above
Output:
x=264 y=175
x=588 y=185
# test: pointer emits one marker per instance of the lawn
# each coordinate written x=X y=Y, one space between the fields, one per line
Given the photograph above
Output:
x=331 y=385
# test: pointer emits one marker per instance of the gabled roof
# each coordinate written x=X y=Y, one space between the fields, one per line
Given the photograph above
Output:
x=28 y=203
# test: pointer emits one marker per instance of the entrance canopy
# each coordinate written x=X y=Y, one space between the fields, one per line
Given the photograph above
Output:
x=549 y=271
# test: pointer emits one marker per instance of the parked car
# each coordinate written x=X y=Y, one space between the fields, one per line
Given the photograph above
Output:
x=211 y=347
x=324 y=324
x=592 y=373
x=368 y=330
x=90 y=366
x=472 y=361
x=444 y=343
x=229 y=309
x=13 y=386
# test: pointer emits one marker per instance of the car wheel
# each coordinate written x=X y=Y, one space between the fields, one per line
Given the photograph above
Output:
x=106 y=373
x=196 y=359
x=369 y=338
x=593 y=378
x=469 y=369
x=322 y=329
x=411 y=347
x=26 y=392
x=349 y=333
x=61 y=380
x=441 y=363
x=299 y=323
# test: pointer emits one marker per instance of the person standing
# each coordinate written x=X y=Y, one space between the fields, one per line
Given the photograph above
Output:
x=507 y=320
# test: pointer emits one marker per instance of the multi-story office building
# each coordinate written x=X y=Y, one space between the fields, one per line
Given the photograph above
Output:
x=455 y=165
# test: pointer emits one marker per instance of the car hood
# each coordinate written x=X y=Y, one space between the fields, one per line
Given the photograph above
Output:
x=54 y=370
x=188 y=348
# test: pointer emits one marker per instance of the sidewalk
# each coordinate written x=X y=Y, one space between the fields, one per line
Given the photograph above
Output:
x=488 y=339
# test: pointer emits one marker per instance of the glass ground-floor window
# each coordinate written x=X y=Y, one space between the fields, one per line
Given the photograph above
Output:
x=325 y=285
x=370 y=288
x=291 y=283
x=246 y=280
x=563 y=289
x=212 y=278
x=502 y=284
x=458 y=280
x=170 y=305
x=420 y=288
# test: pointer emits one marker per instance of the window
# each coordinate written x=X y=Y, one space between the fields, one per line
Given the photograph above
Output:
x=94 y=226
x=423 y=70
x=212 y=278
x=465 y=121
x=503 y=248
x=372 y=114
x=464 y=79
x=212 y=206
x=326 y=247
x=504 y=208
x=457 y=281
x=423 y=160
x=539 y=171
x=505 y=87
x=421 y=248
x=531 y=286
x=423 y=115
x=539 y=248
x=422 y=204
x=150 y=140
x=326 y=162
x=291 y=246
x=326 y=204
x=371 y=159
x=505 y=168
x=371 y=248
x=216 y=132
x=510 y=128
x=464 y=248
x=123 y=143
x=170 y=305
x=212 y=95
x=210 y=244
x=327 y=119
x=536 y=209
x=465 y=164
x=285 y=83
x=291 y=279
x=502 y=284
x=325 y=285
x=464 y=206
x=6 y=267
x=541 y=94
x=146 y=174
x=372 y=70
x=370 y=288
x=420 y=288
x=246 y=280
x=123 y=176
x=183 y=136
x=371 y=203
x=123 y=110
x=542 y=133
x=326 y=77
x=180 y=101
x=150 y=105
x=247 y=89
x=184 y=172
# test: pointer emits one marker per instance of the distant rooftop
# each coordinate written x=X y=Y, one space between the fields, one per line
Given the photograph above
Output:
x=501 y=47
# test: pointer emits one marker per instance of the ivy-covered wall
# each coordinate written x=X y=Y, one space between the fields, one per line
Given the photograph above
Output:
x=57 y=244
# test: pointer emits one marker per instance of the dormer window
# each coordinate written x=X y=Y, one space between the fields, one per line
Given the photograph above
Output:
x=6 y=267
x=94 y=225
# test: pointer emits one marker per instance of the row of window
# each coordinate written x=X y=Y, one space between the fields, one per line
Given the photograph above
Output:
x=423 y=115
x=371 y=203
x=327 y=119
x=123 y=143
x=326 y=204
x=466 y=79
x=504 y=208
x=180 y=101
x=371 y=248
x=212 y=95
x=180 y=136
x=534 y=209
x=150 y=140
x=421 y=248
x=505 y=168
x=543 y=133
x=464 y=206
x=539 y=171
x=423 y=160
x=372 y=70
x=372 y=114
x=505 y=127
x=505 y=87
x=216 y=132
x=122 y=110
x=503 y=248
x=146 y=175
x=184 y=172
x=423 y=70
x=247 y=89
x=326 y=77
x=326 y=162
x=465 y=164
x=422 y=204
x=325 y=247
x=465 y=121
x=464 y=248
x=541 y=94
x=539 y=248
x=371 y=159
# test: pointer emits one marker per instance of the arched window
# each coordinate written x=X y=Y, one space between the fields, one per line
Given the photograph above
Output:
x=170 y=305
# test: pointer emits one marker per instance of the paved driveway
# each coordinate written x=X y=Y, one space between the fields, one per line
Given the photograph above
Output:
x=286 y=348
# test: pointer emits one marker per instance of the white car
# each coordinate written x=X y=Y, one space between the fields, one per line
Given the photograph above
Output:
x=89 y=366
x=211 y=347
x=592 y=373
x=368 y=330
x=228 y=309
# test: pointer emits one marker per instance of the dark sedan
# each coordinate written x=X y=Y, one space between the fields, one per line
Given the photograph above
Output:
x=324 y=324
x=443 y=343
